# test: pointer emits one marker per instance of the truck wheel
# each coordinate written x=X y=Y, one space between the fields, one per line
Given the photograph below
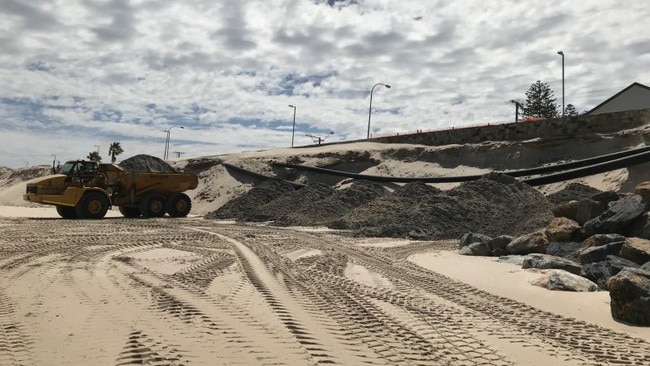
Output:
x=67 y=212
x=179 y=205
x=93 y=205
x=130 y=212
x=153 y=205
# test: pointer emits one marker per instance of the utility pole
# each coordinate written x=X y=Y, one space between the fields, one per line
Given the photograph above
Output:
x=178 y=154
x=517 y=106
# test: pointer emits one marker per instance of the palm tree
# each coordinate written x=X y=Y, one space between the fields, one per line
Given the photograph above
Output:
x=114 y=150
x=94 y=156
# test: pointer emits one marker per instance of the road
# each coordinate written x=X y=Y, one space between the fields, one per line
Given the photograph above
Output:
x=198 y=292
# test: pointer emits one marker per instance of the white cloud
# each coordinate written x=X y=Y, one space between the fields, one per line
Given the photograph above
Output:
x=80 y=73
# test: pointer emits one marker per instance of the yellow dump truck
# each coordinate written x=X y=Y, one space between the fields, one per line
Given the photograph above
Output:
x=86 y=190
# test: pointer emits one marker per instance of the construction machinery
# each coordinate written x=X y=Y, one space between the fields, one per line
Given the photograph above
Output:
x=86 y=190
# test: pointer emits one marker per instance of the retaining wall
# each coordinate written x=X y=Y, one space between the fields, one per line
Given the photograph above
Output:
x=559 y=128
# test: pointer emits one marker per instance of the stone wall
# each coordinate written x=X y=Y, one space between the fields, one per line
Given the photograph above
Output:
x=560 y=128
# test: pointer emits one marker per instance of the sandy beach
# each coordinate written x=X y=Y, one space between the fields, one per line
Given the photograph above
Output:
x=204 y=292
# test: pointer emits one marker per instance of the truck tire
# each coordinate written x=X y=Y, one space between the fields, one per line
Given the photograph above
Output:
x=153 y=205
x=93 y=205
x=179 y=205
x=66 y=212
x=130 y=212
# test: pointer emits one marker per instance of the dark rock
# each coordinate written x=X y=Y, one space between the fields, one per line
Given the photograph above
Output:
x=601 y=239
x=512 y=259
x=544 y=261
x=643 y=190
x=619 y=215
x=567 y=250
x=527 y=244
x=497 y=246
x=600 y=272
x=471 y=238
x=599 y=253
x=606 y=197
x=636 y=249
x=640 y=227
x=588 y=209
x=566 y=209
x=629 y=292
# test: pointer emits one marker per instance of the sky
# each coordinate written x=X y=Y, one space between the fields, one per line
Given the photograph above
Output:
x=77 y=75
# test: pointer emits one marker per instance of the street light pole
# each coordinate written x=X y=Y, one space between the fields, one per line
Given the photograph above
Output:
x=166 y=153
x=370 y=107
x=561 y=53
x=293 y=131
x=53 y=163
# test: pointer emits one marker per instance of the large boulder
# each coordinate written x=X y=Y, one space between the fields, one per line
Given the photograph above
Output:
x=565 y=249
x=566 y=209
x=478 y=248
x=561 y=229
x=471 y=238
x=643 y=190
x=629 y=292
x=545 y=261
x=497 y=245
x=601 y=272
x=618 y=216
x=599 y=253
x=587 y=209
x=529 y=243
x=636 y=249
x=556 y=279
x=602 y=239
x=640 y=227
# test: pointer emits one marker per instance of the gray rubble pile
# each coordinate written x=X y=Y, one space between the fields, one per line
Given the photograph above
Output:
x=146 y=163
x=495 y=204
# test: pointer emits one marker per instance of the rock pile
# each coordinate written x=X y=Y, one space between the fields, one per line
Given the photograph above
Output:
x=611 y=249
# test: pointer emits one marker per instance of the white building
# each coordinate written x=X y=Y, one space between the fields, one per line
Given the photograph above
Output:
x=636 y=96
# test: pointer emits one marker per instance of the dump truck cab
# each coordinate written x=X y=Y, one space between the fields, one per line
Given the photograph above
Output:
x=79 y=171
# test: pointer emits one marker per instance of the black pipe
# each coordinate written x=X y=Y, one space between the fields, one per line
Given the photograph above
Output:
x=621 y=163
x=583 y=167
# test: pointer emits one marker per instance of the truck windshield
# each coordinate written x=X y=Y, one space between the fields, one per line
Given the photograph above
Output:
x=68 y=167
x=79 y=167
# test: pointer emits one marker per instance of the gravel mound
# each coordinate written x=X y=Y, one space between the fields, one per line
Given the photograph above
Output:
x=146 y=163
x=329 y=209
x=496 y=204
x=298 y=200
x=572 y=192
x=246 y=206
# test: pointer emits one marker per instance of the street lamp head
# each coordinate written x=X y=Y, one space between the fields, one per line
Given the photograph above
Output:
x=292 y=106
x=387 y=86
x=560 y=53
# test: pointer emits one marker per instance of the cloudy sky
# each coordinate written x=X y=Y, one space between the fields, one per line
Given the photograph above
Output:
x=76 y=75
